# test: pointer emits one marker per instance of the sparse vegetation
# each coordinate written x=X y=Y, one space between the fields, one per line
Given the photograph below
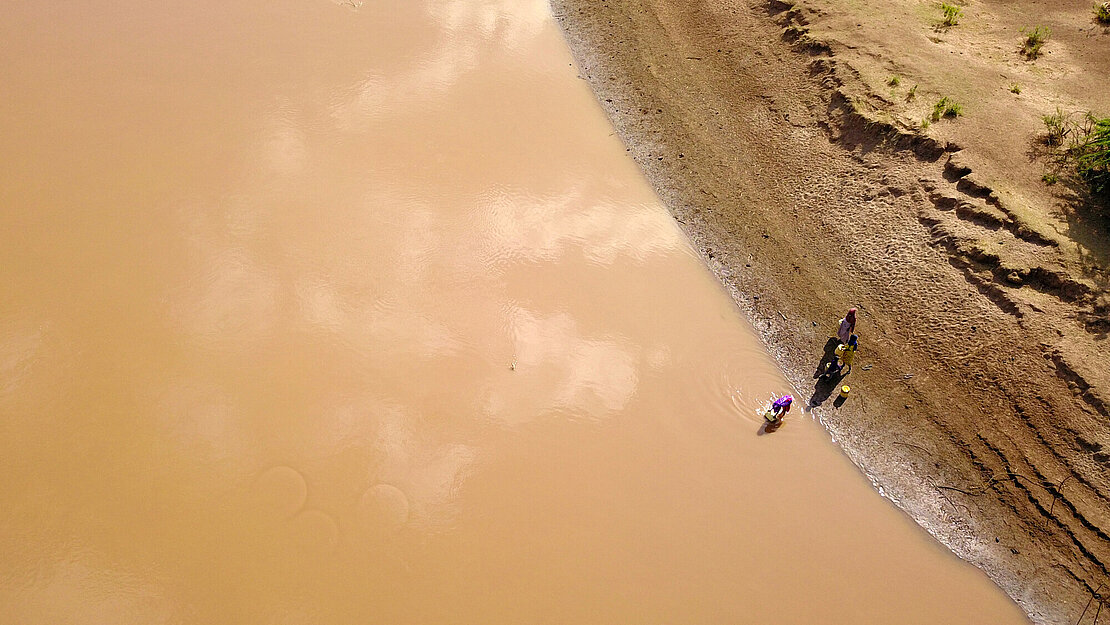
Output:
x=946 y=107
x=1054 y=124
x=1015 y=88
x=952 y=14
x=1050 y=178
x=1081 y=145
x=1092 y=155
x=912 y=93
x=1102 y=13
x=894 y=81
x=925 y=123
x=1034 y=40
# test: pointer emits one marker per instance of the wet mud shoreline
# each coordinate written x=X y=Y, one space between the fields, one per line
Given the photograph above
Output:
x=802 y=208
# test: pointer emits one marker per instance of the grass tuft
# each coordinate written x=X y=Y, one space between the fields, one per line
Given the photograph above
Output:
x=894 y=81
x=952 y=14
x=946 y=107
x=1055 y=126
x=1092 y=154
x=1102 y=12
x=1034 y=40
x=1015 y=88
x=1080 y=144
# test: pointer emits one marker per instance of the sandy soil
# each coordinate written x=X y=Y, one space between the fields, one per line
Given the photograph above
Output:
x=980 y=397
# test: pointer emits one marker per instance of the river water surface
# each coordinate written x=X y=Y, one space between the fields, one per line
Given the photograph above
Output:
x=359 y=313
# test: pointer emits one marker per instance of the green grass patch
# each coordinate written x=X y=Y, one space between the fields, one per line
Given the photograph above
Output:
x=1056 y=127
x=1102 y=13
x=1034 y=40
x=1092 y=154
x=952 y=14
x=1015 y=88
x=1080 y=143
x=946 y=107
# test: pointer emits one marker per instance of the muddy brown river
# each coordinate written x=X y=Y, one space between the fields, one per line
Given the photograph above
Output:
x=335 y=313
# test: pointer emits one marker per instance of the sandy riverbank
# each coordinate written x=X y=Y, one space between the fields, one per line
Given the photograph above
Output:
x=979 y=402
x=353 y=313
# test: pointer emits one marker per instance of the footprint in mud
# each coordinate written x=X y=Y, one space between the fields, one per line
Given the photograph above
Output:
x=280 y=490
x=280 y=493
x=383 y=509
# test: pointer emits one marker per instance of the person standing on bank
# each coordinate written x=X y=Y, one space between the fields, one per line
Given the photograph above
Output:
x=847 y=326
x=848 y=354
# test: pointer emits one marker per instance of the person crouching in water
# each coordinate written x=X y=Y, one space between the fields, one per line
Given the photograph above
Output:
x=778 y=409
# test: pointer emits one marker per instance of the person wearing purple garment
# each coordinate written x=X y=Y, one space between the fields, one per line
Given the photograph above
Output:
x=779 y=408
x=847 y=327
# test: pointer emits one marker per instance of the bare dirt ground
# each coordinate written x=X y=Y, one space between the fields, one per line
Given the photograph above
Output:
x=775 y=135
